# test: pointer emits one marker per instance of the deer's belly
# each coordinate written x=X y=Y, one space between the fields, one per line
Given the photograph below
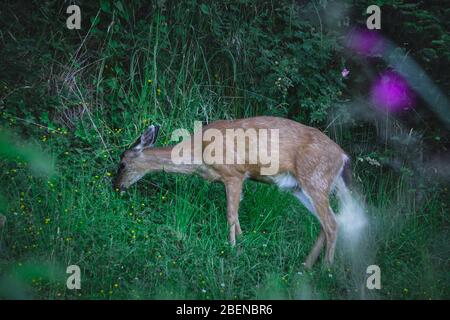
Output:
x=283 y=180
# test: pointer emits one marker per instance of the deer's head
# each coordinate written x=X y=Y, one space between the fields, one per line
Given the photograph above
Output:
x=136 y=161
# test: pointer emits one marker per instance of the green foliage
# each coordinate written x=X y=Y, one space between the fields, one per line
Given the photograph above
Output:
x=84 y=96
x=420 y=27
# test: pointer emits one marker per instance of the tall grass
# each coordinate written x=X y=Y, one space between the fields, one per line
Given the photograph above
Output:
x=170 y=240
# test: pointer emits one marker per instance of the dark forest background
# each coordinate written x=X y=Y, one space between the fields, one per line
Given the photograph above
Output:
x=72 y=100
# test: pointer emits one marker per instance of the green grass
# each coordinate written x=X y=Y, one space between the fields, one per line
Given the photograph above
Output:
x=170 y=240
x=167 y=236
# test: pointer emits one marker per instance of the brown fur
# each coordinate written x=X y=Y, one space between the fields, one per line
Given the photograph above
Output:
x=304 y=152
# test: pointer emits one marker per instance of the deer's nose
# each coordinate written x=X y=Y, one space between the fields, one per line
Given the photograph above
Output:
x=120 y=189
x=116 y=185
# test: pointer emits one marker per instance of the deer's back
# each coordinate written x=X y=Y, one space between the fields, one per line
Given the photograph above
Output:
x=299 y=145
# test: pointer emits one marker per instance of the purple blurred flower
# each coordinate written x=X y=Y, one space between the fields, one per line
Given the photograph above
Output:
x=345 y=73
x=391 y=92
x=366 y=42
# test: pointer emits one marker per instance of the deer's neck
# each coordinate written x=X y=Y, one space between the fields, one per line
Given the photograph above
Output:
x=161 y=160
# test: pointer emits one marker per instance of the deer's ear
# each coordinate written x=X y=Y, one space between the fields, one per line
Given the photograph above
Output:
x=148 y=138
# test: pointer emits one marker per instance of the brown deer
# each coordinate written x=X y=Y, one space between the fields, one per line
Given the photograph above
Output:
x=310 y=165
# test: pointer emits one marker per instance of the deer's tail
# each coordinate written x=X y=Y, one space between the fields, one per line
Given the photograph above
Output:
x=352 y=218
x=346 y=173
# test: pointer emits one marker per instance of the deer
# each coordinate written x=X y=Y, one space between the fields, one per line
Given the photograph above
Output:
x=310 y=165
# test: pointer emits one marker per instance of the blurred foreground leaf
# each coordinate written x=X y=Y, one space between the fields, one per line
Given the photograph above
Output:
x=17 y=282
x=13 y=148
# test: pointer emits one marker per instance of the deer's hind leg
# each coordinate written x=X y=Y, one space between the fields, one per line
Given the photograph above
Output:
x=307 y=201
x=317 y=202
x=316 y=176
x=328 y=233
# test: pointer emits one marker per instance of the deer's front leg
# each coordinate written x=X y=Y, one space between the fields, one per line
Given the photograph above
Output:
x=233 y=189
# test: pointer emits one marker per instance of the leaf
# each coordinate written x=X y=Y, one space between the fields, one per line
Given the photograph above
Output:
x=105 y=6
x=204 y=8
x=122 y=12
x=119 y=6
x=95 y=20
x=12 y=147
